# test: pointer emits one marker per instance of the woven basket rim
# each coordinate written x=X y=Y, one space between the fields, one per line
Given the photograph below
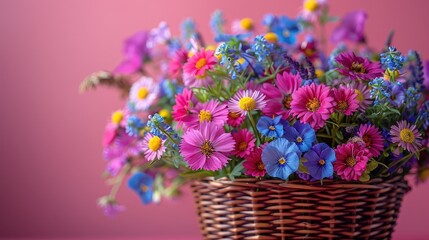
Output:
x=377 y=183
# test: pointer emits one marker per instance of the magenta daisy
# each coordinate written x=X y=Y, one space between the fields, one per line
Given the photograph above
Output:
x=153 y=147
x=182 y=109
x=313 y=104
x=280 y=96
x=253 y=163
x=351 y=161
x=246 y=100
x=199 y=63
x=358 y=67
x=244 y=142
x=195 y=82
x=363 y=94
x=177 y=61
x=407 y=136
x=206 y=148
x=346 y=100
x=371 y=135
x=235 y=119
x=211 y=111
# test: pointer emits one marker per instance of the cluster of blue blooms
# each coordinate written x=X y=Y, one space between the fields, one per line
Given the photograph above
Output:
x=134 y=126
x=392 y=60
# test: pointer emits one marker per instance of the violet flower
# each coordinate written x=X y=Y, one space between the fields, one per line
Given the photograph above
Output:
x=135 y=51
x=351 y=28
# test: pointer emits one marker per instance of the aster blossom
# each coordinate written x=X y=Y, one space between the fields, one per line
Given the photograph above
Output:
x=245 y=101
x=351 y=161
x=253 y=164
x=356 y=67
x=346 y=100
x=199 y=63
x=372 y=137
x=244 y=142
x=211 y=111
x=143 y=93
x=407 y=136
x=153 y=147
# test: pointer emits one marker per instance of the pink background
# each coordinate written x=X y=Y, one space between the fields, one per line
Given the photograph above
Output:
x=50 y=138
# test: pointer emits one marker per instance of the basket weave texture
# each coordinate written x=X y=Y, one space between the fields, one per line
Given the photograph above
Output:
x=272 y=209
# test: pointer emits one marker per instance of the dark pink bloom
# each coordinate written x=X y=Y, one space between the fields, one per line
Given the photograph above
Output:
x=356 y=67
x=235 y=119
x=182 y=109
x=211 y=111
x=346 y=100
x=253 y=163
x=135 y=51
x=351 y=161
x=371 y=135
x=177 y=61
x=280 y=96
x=201 y=62
x=244 y=142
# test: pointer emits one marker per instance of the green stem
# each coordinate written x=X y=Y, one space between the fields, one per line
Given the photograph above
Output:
x=167 y=134
x=118 y=181
x=252 y=123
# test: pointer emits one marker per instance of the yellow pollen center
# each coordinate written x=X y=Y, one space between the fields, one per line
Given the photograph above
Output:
x=164 y=113
x=286 y=101
x=282 y=161
x=144 y=188
x=246 y=24
x=247 y=103
x=319 y=73
x=311 y=5
x=260 y=165
x=350 y=161
x=242 y=146
x=142 y=93
x=272 y=128
x=205 y=115
x=117 y=117
x=367 y=140
x=359 y=95
x=358 y=67
x=322 y=162
x=240 y=61
x=233 y=115
x=299 y=139
x=201 y=63
x=207 y=148
x=155 y=143
x=271 y=37
x=313 y=105
x=407 y=135
x=342 y=105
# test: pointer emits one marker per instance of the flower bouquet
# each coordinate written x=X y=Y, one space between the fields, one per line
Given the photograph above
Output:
x=278 y=138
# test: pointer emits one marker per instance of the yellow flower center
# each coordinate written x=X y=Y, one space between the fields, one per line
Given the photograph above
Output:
x=201 y=63
x=205 y=115
x=272 y=128
x=342 y=106
x=233 y=115
x=286 y=101
x=311 y=5
x=319 y=73
x=271 y=37
x=164 y=113
x=313 y=105
x=406 y=135
x=246 y=24
x=367 y=140
x=359 y=95
x=207 y=148
x=358 y=67
x=350 y=161
x=117 y=117
x=247 y=103
x=155 y=143
x=322 y=162
x=242 y=146
x=388 y=74
x=144 y=188
x=260 y=165
x=240 y=61
x=299 y=139
x=282 y=161
x=142 y=93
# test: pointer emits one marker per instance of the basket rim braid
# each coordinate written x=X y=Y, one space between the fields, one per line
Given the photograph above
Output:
x=250 y=208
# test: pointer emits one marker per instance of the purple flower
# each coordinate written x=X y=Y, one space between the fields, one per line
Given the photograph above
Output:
x=319 y=161
x=351 y=28
x=110 y=207
x=357 y=67
x=426 y=74
x=135 y=51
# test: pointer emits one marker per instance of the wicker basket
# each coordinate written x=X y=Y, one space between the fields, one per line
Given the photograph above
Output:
x=273 y=209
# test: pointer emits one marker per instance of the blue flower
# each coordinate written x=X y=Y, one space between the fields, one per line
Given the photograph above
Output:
x=188 y=28
x=380 y=90
x=281 y=158
x=412 y=97
x=134 y=126
x=155 y=123
x=319 y=161
x=217 y=23
x=272 y=128
x=141 y=183
x=424 y=114
x=392 y=60
x=261 y=48
x=302 y=135
x=285 y=29
x=397 y=95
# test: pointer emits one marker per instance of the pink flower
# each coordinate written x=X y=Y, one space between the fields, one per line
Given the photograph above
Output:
x=345 y=99
x=312 y=10
x=280 y=96
x=245 y=101
x=244 y=142
x=201 y=62
x=177 y=61
x=313 y=104
x=351 y=161
x=235 y=119
x=153 y=147
x=407 y=136
x=363 y=94
x=182 y=109
x=253 y=163
x=211 y=111
x=357 y=67
x=206 y=148
x=110 y=133
x=371 y=135
x=196 y=81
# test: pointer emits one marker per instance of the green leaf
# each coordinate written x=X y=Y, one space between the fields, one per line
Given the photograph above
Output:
x=197 y=174
x=302 y=168
x=238 y=169
x=365 y=177
x=371 y=166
